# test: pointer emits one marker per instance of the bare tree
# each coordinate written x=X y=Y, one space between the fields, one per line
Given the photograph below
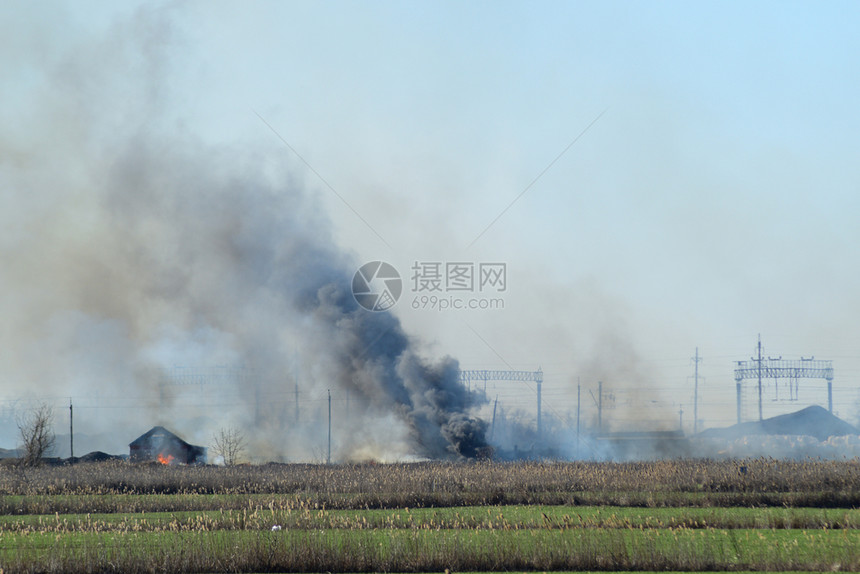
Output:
x=229 y=444
x=36 y=430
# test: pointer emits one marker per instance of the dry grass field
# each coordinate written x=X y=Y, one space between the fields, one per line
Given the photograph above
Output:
x=532 y=516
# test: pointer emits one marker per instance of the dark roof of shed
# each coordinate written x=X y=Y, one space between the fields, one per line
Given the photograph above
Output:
x=157 y=432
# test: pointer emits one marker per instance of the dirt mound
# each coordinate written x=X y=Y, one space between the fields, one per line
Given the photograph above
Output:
x=94 y=456
x=812 y=421
x=98 y=456
x=8 y=453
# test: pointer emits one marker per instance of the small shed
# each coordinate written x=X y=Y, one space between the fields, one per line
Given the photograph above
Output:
x=161 y=445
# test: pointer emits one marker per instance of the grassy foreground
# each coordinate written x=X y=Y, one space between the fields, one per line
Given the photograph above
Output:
x=294 y=515
x=681 y=515
x=387 y=550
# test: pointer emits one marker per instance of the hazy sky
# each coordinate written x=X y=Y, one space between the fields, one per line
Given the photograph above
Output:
x=711 y=192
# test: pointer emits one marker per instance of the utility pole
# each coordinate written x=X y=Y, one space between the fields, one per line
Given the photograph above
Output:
x=493 y=424
x=577 y=414
x=599 y=406
x=759 y=378
x=681 y=418
x=538 y=411
x=328 y=455
x=696 y=394
x=738 y=391
x=71 y=430
x=296 y=379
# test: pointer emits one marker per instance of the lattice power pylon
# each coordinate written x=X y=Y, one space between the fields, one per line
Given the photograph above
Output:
x=235 y=376
x=788 y=370
x=466 y=377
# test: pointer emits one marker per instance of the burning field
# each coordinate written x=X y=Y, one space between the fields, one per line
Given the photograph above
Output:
x=142 y=248
x=238 y=270
x=136 y=246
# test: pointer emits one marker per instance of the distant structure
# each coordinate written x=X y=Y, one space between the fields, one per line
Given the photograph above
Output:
x=160 y=445
x=778 y=369
x=466 y=377
x=214 y=375
x=232 y=376
x=812 y=421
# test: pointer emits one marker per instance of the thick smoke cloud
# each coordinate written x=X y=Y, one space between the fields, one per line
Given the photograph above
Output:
x=130 y=247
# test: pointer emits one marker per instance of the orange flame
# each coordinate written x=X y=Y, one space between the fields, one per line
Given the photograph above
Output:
x=165 y=460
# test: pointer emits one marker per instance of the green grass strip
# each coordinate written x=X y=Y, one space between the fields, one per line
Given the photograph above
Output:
x=434 y=550
x=123 y=503
x=497 y=517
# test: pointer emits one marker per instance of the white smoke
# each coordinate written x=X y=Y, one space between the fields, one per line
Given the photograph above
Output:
x=130 y=248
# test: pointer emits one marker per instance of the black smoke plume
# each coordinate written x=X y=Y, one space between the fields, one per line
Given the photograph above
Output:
x=131 y=247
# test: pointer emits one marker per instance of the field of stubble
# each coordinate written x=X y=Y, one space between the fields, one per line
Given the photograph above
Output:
x=428 y=517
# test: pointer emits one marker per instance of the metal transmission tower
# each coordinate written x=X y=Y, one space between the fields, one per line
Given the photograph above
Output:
x=466 y=377
x=698 y=360
x=791 y=371
x=218 y=375
x=236 y=376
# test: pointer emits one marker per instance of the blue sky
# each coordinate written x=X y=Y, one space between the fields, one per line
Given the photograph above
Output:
x=714 y=199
